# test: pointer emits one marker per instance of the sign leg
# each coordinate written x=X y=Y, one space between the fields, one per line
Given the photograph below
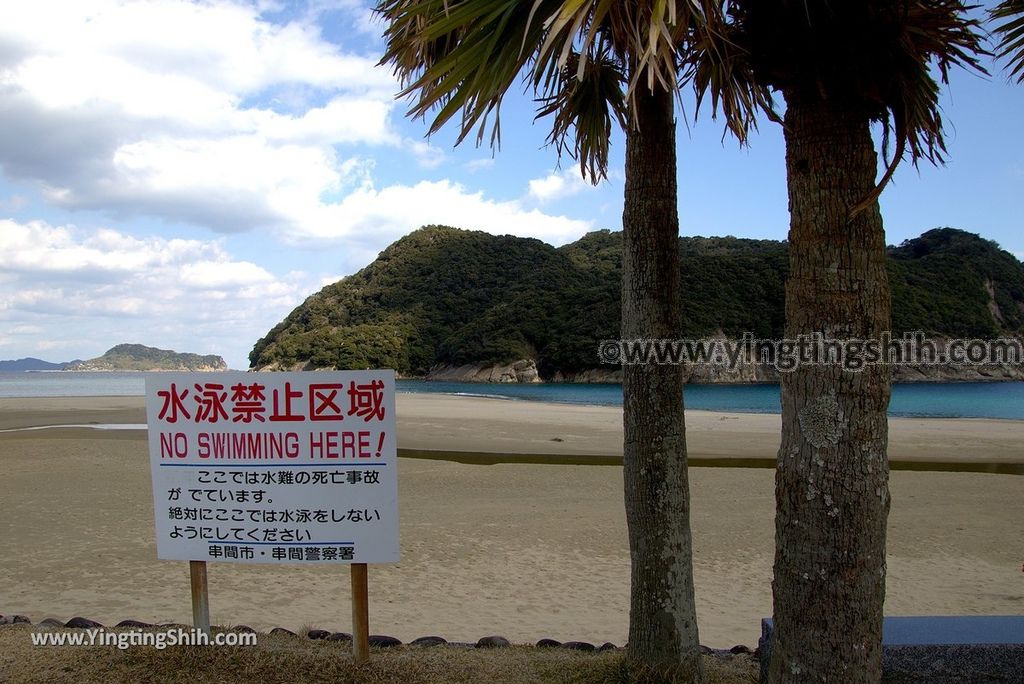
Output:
x=360 y=614
x=200 y=596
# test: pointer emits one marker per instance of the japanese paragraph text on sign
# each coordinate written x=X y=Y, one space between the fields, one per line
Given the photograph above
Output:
x=274 y=467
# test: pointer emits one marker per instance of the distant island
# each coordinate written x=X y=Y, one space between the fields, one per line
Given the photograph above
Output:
x=31 y=363
x=124 y=357
x=444 y=303
x=137 y=357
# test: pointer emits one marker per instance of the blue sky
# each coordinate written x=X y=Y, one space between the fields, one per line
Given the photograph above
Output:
x=183 y=174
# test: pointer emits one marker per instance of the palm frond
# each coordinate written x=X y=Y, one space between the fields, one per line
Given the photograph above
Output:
x=874 y=58
x=930 y=32
x=584 y=59
x=721 y=70
x=1011 y=31
x=933 y=32
x=648 y=35
x=583 y=104
x=458 y=57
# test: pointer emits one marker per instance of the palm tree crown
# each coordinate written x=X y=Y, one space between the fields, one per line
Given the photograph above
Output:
x=871 y=58
x=584 y=59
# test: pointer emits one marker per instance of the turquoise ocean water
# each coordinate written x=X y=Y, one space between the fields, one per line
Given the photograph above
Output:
x=929 y=400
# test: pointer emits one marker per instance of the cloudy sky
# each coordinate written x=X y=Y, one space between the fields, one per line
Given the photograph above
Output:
x=183 y=174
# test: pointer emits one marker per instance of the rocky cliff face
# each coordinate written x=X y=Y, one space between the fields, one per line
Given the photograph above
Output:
x=524 y=370
x=950 y=373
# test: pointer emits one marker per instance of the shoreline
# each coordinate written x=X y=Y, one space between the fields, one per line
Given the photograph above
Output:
x=429 y=422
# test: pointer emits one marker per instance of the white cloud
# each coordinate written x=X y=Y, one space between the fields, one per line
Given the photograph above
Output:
x=557 y=185
x=68 y=287
x=374 y=218
x=218 y=274
x=222 y=44
x=427 y=156
x=198 y=112
x=359 y=17
x=40 y=249
x=206 y=113
x=345 y=119
x=26 y=330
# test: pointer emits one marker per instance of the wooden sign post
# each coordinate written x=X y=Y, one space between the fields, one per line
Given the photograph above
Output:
x=200 y=596
x=360 y=614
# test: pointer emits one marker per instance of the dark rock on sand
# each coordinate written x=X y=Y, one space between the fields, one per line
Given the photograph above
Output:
x=82 y=623
x=493 y=642
x=340 y=636
x=384 y=641
x=282 y=630
x=548 y=643
x=740 y=648
x=14 y=620
x=427 y=641
x=137 y=624
x=607 y=646
x=318 y=634
x=579 y=646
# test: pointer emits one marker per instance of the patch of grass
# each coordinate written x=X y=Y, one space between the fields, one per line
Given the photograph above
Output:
x=279 y=658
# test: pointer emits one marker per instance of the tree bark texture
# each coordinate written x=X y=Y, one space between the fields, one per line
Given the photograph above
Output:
x=663 y=637
x=831 y=487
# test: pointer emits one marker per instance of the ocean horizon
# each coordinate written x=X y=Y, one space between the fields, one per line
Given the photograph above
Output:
x=998 y=400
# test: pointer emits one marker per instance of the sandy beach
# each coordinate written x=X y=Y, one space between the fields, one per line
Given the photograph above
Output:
x=523 y=549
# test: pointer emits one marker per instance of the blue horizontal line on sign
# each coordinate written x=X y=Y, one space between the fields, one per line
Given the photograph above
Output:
x=309 y=543
x=272 y=465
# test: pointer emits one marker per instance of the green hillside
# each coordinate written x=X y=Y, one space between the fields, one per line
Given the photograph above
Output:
x=446 y=296
x=957 y=283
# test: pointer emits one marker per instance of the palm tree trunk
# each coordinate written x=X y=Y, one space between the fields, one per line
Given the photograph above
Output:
x=831 y=486
x=662 y=619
